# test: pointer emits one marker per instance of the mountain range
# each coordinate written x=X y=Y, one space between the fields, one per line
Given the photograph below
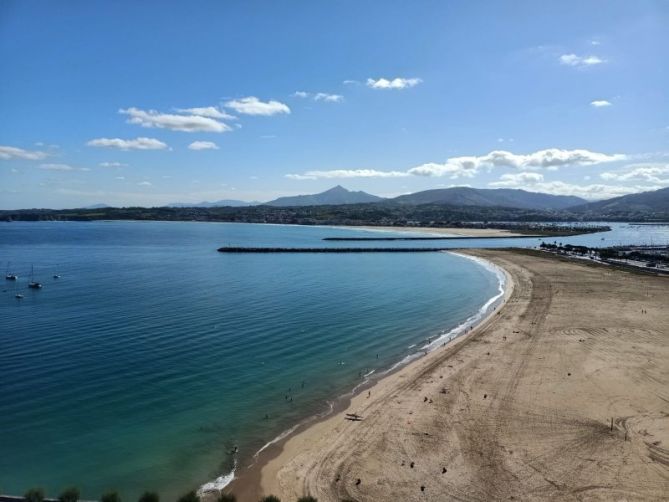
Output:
x=499 y=197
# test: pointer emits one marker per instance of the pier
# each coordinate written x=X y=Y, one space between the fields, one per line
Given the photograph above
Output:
x=330 y=250
x=431 y=238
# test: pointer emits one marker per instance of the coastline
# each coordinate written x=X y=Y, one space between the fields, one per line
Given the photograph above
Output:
x=451 y=231
x=247 y=483
x=561 y=394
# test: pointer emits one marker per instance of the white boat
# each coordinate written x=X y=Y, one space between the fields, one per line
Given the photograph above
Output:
x=33 y=284
x=9 y=276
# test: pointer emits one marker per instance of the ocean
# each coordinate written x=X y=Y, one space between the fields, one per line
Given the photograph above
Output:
x=153 y=357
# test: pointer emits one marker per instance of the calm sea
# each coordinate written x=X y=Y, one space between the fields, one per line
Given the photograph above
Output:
x=153 y=356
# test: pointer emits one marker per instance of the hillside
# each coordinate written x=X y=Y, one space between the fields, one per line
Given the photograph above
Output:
x=334 y=196
x=645 y=205
x=499 y=197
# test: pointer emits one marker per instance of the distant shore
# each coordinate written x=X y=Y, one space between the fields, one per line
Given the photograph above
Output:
x=455 y=231
x=561 y=393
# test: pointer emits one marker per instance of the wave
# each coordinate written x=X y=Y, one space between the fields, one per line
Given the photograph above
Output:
x=219 y=483
x=470 y=322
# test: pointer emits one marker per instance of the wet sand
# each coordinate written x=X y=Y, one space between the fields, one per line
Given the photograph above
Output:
x=562 y=394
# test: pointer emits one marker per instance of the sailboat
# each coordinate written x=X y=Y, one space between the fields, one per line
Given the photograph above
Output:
x=33 y=284
x=9 y=276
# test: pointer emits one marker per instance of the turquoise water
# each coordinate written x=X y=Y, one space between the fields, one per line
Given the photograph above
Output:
x=153 y=355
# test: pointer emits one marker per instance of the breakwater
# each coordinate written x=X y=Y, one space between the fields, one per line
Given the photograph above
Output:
x=428 y=238
x=233 y=249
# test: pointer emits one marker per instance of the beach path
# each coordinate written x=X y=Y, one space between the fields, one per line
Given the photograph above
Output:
x=562 y=394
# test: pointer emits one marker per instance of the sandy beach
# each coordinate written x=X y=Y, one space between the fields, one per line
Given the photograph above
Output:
x=563 y=393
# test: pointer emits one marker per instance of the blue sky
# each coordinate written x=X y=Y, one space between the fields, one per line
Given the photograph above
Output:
x=146 y=103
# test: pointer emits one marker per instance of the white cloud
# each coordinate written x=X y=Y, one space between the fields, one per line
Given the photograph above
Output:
x=550 y=159
x=580 y=61
x=207 y=111
x=186 y=123
x=203 y=145
x=128 y=144
x=12 y=152
x=319 y=96
x=657 y=173
x=253 y=106
x=144 y=184
x=112 y=164
x=121 y=178
x=600 y=103
x=395 y=83
x=347 y=173
x=512 y=180
x=330 y=98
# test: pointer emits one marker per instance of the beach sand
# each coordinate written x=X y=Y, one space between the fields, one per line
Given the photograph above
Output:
x=563 y=393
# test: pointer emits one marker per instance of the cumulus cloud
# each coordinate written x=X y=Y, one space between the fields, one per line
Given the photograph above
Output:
x=550 y=159
x=600 y=103
x=186 y=123
x=580 y=61
x=145 y=184
x=253 y=106
x=112 y=164
x=203 y=145
x=128 y=144
x=657 y=173
x=208 y=111
x=347 y=173
x=12 y=152
x=395 y=83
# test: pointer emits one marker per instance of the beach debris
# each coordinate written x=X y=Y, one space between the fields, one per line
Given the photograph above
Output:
x=568 y=374
x=411 y=465
x=422 y=488
x=443 y=390
x=425 y=399
x=353 y=417
x=358 y=482
x=485 y=396
x=444 y=470
x=337 y=478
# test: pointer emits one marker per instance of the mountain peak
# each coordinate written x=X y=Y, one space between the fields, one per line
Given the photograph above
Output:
x=336 y=195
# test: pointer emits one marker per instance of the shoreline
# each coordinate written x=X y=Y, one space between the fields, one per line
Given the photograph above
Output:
x=445 y=231
x=246 y=483
x=559 y=395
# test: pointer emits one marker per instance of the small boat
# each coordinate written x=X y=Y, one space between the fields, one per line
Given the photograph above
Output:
x=18 y=296
x=33 y=284
x=56 y=276
x=9 y=276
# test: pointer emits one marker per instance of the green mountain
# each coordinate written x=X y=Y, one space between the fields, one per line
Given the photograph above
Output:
x=335 y=196
x=484 y=197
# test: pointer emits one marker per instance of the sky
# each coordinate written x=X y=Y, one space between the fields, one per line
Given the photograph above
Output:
x=146 y=103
